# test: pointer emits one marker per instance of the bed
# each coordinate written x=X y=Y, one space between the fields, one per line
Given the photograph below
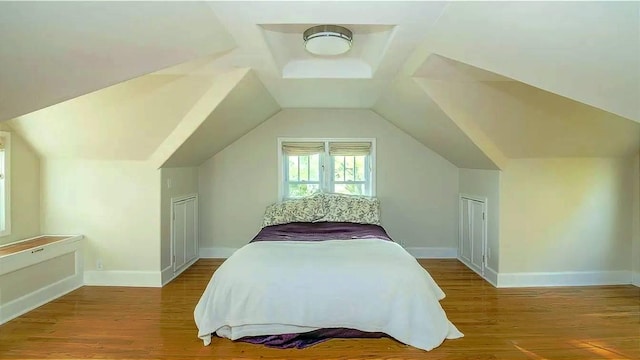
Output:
x=326 y=278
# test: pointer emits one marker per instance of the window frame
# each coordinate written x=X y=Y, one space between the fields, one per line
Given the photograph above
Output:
x=6 y=171
x=326 y=165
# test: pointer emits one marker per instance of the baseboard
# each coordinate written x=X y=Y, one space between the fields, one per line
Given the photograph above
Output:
x=635 y=278
x=433 y=252
x=123 y=278
x=168 y=275
x=216 y=252
x=570 y=278
x=26 y=303
x=491 y=276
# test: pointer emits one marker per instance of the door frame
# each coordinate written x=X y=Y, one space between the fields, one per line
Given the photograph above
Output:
x=174 y=201
x=484 y=201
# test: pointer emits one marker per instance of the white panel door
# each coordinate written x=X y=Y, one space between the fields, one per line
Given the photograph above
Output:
x=465 y=233
x=191 y=230
x=184 y=231
x=179 y=234
x=477 y=235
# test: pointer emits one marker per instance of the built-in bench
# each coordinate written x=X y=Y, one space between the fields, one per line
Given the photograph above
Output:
x=38 y=270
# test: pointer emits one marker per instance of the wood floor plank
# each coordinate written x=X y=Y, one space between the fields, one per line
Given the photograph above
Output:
x=600 y=322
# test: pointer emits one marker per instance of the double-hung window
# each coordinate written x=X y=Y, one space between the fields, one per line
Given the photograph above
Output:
x=343 y=166
x=5 y=191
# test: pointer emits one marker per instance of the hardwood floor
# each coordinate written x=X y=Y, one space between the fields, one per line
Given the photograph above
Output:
x=600 y=322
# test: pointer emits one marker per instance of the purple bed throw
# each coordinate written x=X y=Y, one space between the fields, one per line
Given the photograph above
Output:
x=319 y=231
x=304 y=340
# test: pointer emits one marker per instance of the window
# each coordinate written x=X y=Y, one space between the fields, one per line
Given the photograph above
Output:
x=349 y=165
x=5 y=161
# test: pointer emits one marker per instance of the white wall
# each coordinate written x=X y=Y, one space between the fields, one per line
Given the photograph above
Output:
x=113 y=203
x=174 y=182
x=417 y=188
x=566 y=215
x=486 y=183
x=25 y=190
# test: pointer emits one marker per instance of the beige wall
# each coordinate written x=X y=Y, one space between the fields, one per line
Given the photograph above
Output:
x=29 y=279
x=174 y=182
x=566 y=215
x=113 y=203
x=25 y=190
x=417 y=188
x=486 y=183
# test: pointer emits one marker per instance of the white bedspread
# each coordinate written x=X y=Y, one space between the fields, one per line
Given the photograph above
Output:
x=269 y=288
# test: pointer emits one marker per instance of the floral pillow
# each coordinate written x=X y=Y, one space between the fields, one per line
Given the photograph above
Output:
x=350 y=208
x=307 y=209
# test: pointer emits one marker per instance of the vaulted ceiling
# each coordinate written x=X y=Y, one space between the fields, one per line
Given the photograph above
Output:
x=479 y=83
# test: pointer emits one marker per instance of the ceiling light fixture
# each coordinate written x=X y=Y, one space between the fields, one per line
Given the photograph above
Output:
x=327 y=40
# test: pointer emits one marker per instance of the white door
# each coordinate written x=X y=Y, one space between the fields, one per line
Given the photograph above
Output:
x=465 y=232
x=473 y=233
x=184 y=234
x=477 y=236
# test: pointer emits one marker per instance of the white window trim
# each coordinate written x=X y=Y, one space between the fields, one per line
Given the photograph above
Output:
x=325 y=174
x=7 y=183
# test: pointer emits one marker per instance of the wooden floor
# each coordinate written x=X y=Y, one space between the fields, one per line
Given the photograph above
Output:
x=544 y=323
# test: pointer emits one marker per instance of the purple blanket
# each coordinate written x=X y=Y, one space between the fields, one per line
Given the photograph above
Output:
x=319 y=231
x=304 y=340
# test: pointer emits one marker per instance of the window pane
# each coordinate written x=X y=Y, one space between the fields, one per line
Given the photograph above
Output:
x=349 y=165
x=360 y=168
x=303 y=162
x=351 y=189
x=293 y=168
x=300 y=190
x=314 y=169
x=338 y=168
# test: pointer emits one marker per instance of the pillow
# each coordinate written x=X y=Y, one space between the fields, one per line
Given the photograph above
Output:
x=351 y=208
x=307 y=209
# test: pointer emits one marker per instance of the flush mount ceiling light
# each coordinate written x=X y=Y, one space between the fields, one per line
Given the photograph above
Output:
x=327 y=40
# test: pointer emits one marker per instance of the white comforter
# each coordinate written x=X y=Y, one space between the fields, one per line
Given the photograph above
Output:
x=269 y=288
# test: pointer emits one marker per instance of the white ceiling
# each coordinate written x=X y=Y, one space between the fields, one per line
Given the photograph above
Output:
x=425 y=66
x=126 y=121
x=54 y=51
x=230 y=120
x=586 y=51
x=269 y=38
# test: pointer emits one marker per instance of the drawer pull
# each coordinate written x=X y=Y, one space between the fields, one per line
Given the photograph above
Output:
x=36 y=250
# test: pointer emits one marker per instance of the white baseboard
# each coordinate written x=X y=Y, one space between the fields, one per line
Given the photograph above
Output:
x=123 y=278
x=433 y=252
x=24 y=304
x=216 y=252
x=635 y=278
x=491 y=276
x=569 y=278
x=168 y=275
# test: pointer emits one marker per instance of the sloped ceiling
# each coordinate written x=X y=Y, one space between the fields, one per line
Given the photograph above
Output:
x=54 y=51
x=243 y=108
x=127 y=121
x=585 y=51
x=477 y=82
x=407 y=107
x=527 y=122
